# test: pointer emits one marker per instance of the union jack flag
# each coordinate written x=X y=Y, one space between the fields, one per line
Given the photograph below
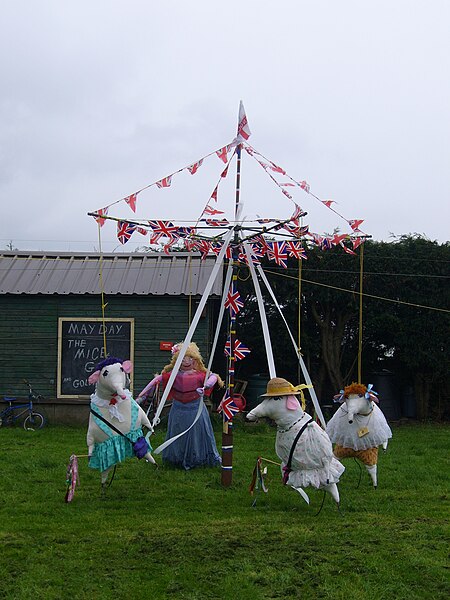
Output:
x=141 y=230
x=227 y=407
x=355 y=223
x=298 y=212
x=337 y=239
x=258 y=250
x=326 y=243
x=212 y=211
x=278 y=169
x=240 y=351
x=305 y=186
x=203 y=247
x=194 y=168
x=162 y=229
x=101 y=212
x=185 y=231
x=217 y=222
x=233 y=301
x=216 y=248
x=214 y=194
x=224 y=172
x=277 y=251
x=165 y=182
x=357 y=242
x=328 y=203
x=347 y=250
x=223 y=154
x=131 y=201
x=296 y=250
x=124 y=231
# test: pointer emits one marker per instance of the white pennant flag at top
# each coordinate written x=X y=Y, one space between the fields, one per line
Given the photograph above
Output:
x=243 y=132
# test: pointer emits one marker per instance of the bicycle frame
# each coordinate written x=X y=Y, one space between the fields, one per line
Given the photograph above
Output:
x=16 y=409
x=11 y=411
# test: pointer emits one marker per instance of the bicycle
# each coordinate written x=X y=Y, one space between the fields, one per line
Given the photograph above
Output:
x=15 y=411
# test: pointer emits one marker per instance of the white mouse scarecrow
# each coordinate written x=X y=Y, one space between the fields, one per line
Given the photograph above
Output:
x=358 y=427
x=116 y=419
x=302 y=445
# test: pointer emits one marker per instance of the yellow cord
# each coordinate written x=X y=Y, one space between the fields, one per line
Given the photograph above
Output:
x=102 y=290
x=360 y=336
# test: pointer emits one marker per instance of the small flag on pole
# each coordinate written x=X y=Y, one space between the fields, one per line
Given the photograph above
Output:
x=243 y=132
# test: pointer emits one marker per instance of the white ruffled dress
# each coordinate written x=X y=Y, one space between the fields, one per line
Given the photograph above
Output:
x=313 y=463
x=345 y=434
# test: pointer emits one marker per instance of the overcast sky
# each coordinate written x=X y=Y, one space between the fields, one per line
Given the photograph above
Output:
x=101 y=98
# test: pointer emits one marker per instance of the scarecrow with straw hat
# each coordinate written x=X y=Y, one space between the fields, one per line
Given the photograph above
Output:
x=302 y=445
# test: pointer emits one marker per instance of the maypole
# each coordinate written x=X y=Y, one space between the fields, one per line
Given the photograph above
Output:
x=243 y=132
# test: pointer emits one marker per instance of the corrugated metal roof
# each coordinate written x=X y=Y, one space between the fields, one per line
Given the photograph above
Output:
x=181 y=273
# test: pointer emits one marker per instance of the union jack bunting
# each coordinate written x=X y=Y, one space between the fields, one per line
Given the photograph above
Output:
x=227 y=407
x=141 y=230
x=355 y=223
x=101 y=212
x=258 y=250
x=298 y=212
x=328 y=203
x=165 y=182
x=203 y=247
x=194 y=168
x=233 y=301
x=212 y=211
x=278 y=169
x=326 y=243
x=337 y=239
x=347 y=250
x=216 y=248
x=240 y=351
x=286 y=193
x=305 y=186
x=217 y=222
x=296 y=250
x=131 y=201
x=185 y=231
x=162 y=229
x=214 y=194
x=287 y=184
x=277 y=251
x=124 y=231
x=223 y=154
x=357 y=242
x=224 y=172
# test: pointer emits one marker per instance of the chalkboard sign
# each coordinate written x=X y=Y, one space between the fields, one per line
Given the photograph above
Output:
x=81 y=347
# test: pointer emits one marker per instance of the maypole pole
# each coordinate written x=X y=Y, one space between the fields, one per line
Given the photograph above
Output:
x=243 y=133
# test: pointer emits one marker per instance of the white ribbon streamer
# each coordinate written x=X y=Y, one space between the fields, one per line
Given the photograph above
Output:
x=312 y=392
x=262 y=313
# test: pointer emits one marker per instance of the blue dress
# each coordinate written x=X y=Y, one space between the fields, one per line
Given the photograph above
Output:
x=116 y=448
x=197 y=447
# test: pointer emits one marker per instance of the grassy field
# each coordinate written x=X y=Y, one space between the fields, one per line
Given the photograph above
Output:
x=170 y=534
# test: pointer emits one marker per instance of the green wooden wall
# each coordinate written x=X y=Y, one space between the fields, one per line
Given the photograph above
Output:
x=29 y=334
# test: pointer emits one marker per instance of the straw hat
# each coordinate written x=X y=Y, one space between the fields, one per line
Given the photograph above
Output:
x=281 y=387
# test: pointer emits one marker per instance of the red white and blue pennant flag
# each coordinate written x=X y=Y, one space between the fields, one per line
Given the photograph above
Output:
x=240 y=351
x=124 y=231
x=243 y=131
x=233 y=301
x=227 y=407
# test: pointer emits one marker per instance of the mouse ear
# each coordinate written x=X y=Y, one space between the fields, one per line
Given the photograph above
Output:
x=94 y=377
x=127 y=366
x=292 y=403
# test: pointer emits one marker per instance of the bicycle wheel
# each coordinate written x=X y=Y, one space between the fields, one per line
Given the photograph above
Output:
x=33 y=421
x=6 y=420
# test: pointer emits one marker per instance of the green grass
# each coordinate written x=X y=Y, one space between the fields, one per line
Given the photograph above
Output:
x=171 y=534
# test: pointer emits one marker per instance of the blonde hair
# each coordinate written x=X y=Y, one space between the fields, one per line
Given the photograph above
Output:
x=192 y=351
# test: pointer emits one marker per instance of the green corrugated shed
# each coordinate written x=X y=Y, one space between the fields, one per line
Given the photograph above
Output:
x=29 y=326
